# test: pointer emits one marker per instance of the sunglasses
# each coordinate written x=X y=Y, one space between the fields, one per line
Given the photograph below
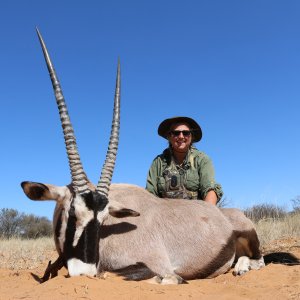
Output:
x=184 y=132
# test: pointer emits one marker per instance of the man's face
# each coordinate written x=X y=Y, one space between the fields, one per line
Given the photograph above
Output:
x=180 y=137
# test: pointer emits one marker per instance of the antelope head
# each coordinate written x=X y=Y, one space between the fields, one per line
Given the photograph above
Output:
x=80 y=208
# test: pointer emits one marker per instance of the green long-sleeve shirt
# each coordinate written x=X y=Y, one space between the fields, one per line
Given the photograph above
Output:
x=198 y=174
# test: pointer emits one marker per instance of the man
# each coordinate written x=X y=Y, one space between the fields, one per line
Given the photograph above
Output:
x=182 y=171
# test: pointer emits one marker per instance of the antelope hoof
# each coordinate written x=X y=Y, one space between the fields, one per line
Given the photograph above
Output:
x=154 y=280
x=256 y=264
x=172 y=279
x=242 y=266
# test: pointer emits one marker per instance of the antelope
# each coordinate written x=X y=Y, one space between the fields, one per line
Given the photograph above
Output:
x=125 y=229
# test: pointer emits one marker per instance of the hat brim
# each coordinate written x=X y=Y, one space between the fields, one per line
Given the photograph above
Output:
x=165 y=126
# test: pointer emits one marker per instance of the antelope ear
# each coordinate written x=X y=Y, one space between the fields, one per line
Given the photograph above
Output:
x=122 y=212
x=41 y=191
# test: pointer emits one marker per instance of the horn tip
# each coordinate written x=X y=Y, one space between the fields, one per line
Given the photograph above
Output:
x=39 y=34
x=119 y=65
x=37 y=30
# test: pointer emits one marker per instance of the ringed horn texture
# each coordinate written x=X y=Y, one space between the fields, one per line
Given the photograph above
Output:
x=109 y=164
x=79 y=178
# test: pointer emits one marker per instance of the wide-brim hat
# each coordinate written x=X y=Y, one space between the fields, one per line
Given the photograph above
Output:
x=165 y=126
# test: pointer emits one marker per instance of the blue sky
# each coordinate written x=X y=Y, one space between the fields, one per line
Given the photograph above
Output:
x=234 y=66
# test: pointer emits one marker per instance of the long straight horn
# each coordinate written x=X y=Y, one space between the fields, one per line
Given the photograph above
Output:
x=108 y=167
x=79 y=179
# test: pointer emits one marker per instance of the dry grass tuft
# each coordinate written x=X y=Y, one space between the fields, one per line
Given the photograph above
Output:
x=17 y=254
x=271 y=229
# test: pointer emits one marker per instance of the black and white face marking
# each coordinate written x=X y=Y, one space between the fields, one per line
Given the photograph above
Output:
x=77 y=220
x=80 y=227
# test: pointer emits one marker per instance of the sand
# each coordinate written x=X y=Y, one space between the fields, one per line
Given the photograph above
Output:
x=280 y=279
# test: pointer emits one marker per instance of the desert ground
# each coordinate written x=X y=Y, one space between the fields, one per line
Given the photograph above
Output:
x=280 y=279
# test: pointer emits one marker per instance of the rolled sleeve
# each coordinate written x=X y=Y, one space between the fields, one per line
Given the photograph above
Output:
x=207 y=179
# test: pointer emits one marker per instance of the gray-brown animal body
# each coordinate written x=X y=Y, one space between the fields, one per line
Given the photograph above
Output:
x=124 y=228
x=171 y=238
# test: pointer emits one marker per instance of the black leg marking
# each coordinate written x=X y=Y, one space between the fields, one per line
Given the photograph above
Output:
x=52 y=269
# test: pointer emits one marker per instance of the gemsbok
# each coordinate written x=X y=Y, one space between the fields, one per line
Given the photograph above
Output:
x=124 y=229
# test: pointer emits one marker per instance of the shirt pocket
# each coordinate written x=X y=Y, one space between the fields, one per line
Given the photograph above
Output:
x=192 y=180
x=161 y=185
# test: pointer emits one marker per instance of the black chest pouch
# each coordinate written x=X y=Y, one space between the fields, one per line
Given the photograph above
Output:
x=174 y=184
